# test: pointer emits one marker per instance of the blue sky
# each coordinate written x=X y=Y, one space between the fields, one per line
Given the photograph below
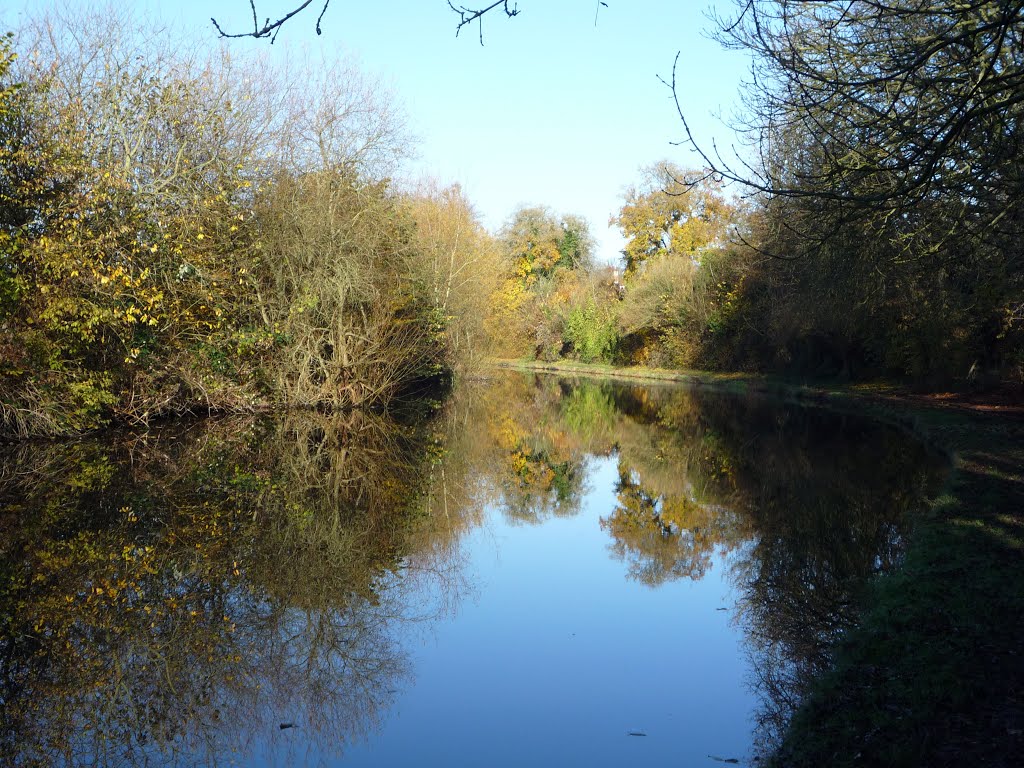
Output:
x=551 y=110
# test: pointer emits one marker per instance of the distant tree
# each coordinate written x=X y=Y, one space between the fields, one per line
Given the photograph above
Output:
x=538 y=242
x=672 y=212
x=548 y=262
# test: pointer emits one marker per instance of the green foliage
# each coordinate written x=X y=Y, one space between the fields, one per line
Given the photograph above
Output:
x=592 y=331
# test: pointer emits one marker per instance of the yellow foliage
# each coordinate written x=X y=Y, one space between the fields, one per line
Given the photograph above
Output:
x=673 y=213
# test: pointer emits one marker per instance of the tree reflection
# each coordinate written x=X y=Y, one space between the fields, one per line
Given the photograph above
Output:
x=831 y=500
x=178 y=596
x=664 y=537
x=803 y=506
x=536 y=468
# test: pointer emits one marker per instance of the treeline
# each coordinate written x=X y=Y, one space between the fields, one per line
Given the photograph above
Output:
x=881 y=233
x=183 y=231
x=774 y=284
x=671 y=304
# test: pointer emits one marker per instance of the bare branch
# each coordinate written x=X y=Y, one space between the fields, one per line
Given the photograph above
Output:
x=469 y=15
x=271 y=28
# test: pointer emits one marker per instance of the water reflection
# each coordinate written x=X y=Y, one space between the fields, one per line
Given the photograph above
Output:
x=200 y=593
x=179 y=596
x=803 y=505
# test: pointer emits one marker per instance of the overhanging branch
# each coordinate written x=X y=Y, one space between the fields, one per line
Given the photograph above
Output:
x=469 y=15
x=270 y=28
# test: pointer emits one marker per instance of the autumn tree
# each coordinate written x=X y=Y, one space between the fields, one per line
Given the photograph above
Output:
x=460 y=263
x=178 y=235
x=679 y=265
x=545 y=256
x=553 y=294
x=673 y=213
x=538 y=243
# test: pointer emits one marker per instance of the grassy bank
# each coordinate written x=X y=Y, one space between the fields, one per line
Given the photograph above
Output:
x=933 y=673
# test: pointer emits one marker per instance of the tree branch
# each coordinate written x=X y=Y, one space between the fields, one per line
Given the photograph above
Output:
x=271 y=28
x=468 y=15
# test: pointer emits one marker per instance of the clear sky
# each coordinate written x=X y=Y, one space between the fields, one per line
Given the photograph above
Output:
x=551 y=110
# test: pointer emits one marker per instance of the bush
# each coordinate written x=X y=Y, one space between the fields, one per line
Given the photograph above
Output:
x=592 y=331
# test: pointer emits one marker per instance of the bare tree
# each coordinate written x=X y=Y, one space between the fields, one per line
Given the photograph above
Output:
x=880 y=103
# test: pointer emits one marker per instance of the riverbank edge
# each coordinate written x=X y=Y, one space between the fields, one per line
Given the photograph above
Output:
x=932 y=674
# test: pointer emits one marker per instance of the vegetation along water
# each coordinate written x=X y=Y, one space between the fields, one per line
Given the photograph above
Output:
x=265 y=495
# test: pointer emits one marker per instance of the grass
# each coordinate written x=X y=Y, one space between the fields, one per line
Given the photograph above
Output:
x=933 y=675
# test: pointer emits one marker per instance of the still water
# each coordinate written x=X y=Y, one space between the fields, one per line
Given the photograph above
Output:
x=545 y=572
